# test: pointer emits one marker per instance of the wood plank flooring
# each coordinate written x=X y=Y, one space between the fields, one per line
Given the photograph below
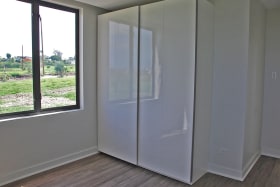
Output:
x=104 y=171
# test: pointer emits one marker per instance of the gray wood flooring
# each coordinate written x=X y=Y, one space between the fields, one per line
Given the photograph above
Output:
x=104 y=171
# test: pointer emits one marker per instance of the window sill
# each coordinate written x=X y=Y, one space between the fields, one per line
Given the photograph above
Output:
x=36 y=115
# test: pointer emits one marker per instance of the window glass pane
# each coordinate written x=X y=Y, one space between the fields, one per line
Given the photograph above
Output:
x=16 y=86
x=58 y=57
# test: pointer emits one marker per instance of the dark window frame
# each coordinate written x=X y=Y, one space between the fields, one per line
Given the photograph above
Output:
x=35 y=14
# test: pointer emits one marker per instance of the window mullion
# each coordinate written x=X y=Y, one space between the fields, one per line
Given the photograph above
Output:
x=36 y=55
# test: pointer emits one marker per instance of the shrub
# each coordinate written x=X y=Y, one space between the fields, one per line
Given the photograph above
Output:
x=9 y=65
x=59 y=69
x=4 y=77
x=15 y=74
x=49 y=63
x=28 y=67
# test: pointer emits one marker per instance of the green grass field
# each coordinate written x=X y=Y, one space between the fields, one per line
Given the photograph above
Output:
x=16 y=72
x=15 y=109
x=14 y=94
x=56 y=83
x=25 y=86
x=50 y=70
x=16 y=86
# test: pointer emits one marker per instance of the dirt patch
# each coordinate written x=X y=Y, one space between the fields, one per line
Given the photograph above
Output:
x=26 y=99
x=48 y=102
x=61 y=91
x=16 y=100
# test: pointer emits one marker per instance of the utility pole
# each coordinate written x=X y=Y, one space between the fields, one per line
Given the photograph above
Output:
x=42 y=44
x=22 y=57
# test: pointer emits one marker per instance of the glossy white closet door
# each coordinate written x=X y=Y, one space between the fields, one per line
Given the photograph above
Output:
x=117 y=83
x=167 y=71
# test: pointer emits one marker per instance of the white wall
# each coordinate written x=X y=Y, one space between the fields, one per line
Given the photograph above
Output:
x=229 y=85
x=33 y=144
x=271 y=112
x=255 y=81
x=237 y=90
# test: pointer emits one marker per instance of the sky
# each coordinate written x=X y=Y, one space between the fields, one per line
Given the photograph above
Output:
x=15 y=30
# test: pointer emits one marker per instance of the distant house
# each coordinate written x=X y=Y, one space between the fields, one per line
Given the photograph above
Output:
x=71 y=60
x=27 y=59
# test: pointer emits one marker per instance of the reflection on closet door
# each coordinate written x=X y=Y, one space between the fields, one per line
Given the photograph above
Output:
x=167 y=71
x=117 y=83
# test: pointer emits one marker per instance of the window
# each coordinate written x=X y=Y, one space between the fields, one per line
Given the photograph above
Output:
x=39 y=57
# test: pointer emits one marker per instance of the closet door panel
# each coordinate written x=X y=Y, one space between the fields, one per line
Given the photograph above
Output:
x=117 y=83
x=167 y=75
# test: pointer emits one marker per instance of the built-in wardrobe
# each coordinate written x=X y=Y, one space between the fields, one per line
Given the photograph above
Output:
x=154 y=86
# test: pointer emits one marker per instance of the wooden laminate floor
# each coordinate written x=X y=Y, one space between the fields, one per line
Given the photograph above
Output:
x=104 y=171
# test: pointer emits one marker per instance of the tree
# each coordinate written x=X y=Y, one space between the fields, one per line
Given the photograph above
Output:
x=8 y=55
x=55 y=58
x=57 y=55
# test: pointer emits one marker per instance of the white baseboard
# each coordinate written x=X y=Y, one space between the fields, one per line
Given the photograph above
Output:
x=249 y=166
x=275 y=153
x=225 y=172
x=239 y=175
x=41 y=167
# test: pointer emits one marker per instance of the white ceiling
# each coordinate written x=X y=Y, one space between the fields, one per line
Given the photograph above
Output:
x=118 y=4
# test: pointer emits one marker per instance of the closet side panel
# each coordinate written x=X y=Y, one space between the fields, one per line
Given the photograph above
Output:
x=117 y=83
x=167 y=73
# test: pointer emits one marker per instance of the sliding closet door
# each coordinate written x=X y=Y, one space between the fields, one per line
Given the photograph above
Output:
x=117 y=83
x=167 y=76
